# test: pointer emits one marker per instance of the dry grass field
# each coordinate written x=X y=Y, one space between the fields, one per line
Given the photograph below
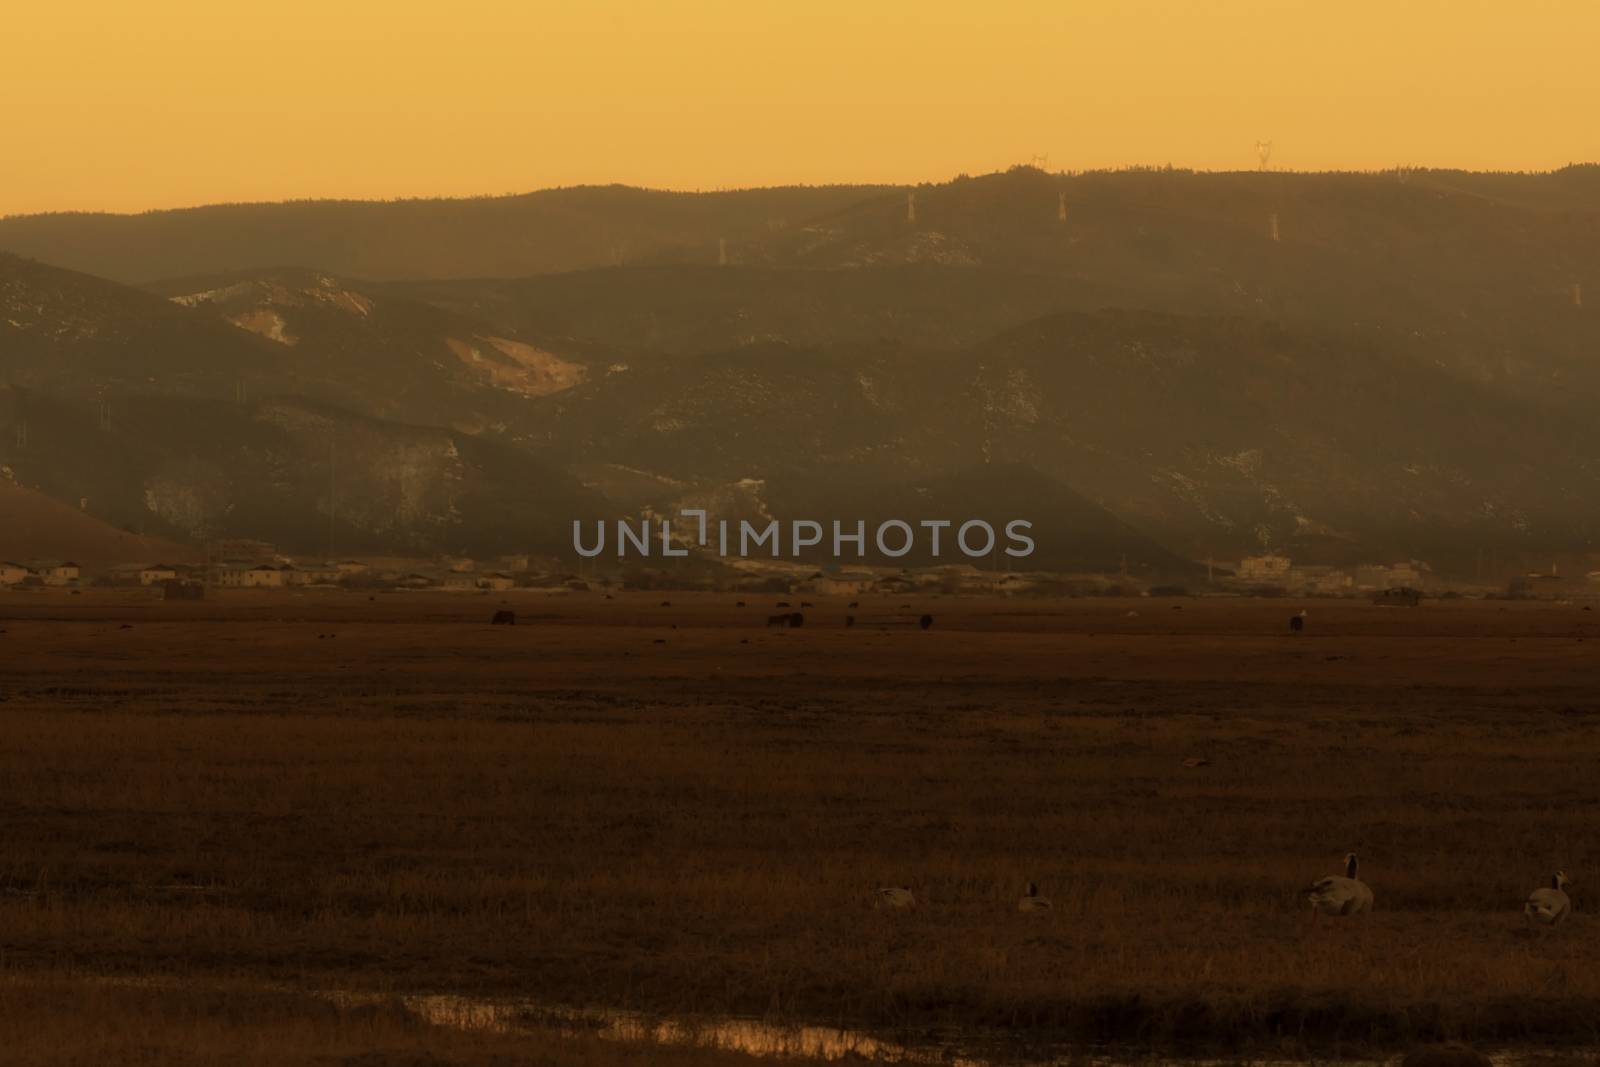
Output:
x=673 y=809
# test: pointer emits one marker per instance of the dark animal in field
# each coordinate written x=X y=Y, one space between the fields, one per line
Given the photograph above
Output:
x=778 y=620
x=1297 y=623
x=504 y=618
x=807 y=604
x=925 y=622
x=855 y=603
x=1450 y=1054
x=796 y=620
x=782 y=604
x=739 y=604
x=666 y=603
x=849 y=620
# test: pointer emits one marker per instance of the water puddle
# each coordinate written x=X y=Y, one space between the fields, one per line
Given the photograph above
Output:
x=756 y=1037
x=759 y=1038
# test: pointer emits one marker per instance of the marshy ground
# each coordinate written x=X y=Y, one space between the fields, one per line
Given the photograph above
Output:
x=229 y=808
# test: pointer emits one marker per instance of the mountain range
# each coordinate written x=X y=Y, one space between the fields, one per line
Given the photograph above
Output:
x=1154 y=366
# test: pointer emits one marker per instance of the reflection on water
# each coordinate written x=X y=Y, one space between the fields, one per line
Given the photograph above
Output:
x=757 y=1038
x=750 y=1036
x=775 y=1040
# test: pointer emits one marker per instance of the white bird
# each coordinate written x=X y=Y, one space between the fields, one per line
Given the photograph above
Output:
x=1548 y=905
x=895 y=897
x=1032 y=901
x=1340 y=894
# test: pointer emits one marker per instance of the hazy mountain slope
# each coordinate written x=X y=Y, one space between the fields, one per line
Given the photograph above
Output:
x=69 y=331
x=1477 y=271
x=361 y=346
x=1223 y=432
x=1480 y=269
x=307 y=477
x=36 y=526
x=1209 y=435
x=551 y=230
x=629 y=311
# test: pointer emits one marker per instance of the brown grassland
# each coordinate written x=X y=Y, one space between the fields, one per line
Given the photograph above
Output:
x=211 y=811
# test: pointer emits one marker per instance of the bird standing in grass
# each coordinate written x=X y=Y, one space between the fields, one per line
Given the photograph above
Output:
x=1032 y=901
x=896 y=896
x=1340 y=895
x=1549 y=905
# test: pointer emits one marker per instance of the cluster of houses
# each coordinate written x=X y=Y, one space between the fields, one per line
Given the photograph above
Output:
x=40 y=573
x=285 y=575
x=1253 y=575
x=1280 y=573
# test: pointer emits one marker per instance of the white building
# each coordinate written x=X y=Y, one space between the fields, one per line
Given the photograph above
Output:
x=157 y=573
x=52 y=572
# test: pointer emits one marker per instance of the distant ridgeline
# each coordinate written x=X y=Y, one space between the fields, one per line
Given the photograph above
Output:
x=1152 y=365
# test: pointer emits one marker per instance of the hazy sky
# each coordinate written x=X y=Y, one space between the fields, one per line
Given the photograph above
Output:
x=110 y=104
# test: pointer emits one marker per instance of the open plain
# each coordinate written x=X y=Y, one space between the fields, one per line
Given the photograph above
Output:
x=658 y=804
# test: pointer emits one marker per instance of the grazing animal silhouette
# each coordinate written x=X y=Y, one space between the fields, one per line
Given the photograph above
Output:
x=739 y=604
x=807 y=604
x=778 y=620
x=504 y=618
x=1297 y=622
x=782 y=604
x=857 y=604
x=1340 y=894
x=1032 y=901
x=849 y=620
x=896 y=896
x=796 y=619
x=1549 y=905
x=925 y=622
x=666 y=603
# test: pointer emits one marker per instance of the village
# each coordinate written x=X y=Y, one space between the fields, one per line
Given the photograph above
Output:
x=1271 y=575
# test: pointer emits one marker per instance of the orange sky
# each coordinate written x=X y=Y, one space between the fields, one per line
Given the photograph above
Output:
x=125 y=106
